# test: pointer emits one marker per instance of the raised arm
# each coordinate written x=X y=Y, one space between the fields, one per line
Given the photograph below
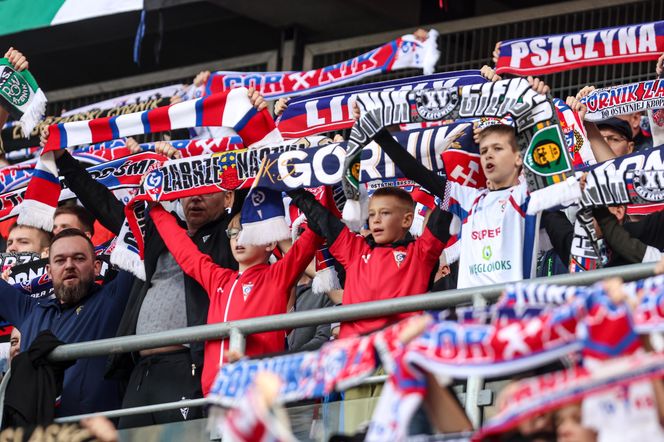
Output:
x=194 y=263
x=412 y=168
x=14 y=305
x=20 y=63
x=319 y=219
x=344 y=244
x=560 y=231
x=292 y=265
x=621 y=242
x=95 y=196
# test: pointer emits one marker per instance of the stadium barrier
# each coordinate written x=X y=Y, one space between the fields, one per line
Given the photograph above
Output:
x=238 y=330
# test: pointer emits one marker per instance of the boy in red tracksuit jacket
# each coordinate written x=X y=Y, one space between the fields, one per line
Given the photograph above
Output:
x=389 y=263
x=256 y=289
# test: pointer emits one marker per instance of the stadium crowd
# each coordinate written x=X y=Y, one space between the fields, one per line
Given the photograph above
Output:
x=427 y=232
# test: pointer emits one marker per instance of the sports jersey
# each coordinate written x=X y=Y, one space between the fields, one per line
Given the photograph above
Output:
x=260 y=290
x=377 y=271
x=388 y=271
x=498 y=238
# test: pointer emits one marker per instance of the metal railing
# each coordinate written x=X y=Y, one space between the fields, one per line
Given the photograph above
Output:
x=238 y=330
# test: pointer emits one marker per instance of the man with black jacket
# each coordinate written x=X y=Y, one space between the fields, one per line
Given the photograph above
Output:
x=630 y=242
x=168 y=299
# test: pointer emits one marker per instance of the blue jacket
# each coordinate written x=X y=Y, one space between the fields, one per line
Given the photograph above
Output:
x=96 y=317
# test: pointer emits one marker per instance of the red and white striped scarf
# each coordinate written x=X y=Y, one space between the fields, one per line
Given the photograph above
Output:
x=230 y=109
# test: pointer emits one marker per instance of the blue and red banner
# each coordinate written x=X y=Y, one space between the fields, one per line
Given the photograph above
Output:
x=555 y=53
x=330 y=111
x=402 y=53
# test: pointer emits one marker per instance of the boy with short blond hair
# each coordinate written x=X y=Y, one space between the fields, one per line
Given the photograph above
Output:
x=388 y=263
x=255 y=289
x=498 y=240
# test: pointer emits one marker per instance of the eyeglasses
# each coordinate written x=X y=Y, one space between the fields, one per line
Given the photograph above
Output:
x=614 y=140
x=233 y=232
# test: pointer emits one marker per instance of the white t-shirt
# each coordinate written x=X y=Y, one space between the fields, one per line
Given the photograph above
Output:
x=498 y=241
x=623 y=414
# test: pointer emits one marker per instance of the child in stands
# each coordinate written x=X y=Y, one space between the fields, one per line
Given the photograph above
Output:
x=255 y=289
x=388 y=263
x=498 y=237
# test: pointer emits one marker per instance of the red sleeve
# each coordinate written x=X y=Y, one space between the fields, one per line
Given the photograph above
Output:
x=429 y=247
x=348 y=247
x=288 y=269
x=194 y=263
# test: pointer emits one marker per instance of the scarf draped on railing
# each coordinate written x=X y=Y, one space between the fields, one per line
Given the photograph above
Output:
x=21 y=96
x=555 y=53
x=331 y=111
x=401 y=53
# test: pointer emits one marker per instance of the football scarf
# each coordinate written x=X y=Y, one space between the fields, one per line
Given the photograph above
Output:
x=15 y=177
x=32 y=279
x=624 y=99
x=252 y=420
x=590 y=323
x=21 y=96
x=542 y=394
x=647 y=295
x=555 y=53
x=402 y=395
x=337 y=365
x=403 y=53
x=588 y=251
x=18 y=175
x=10 y=259
x=232 y=109
x=119 y=174
x=574 y=131
x=647 y=160
x=538 y=132
x=126 y=104
x=656 y=120
x=635 y=180
x=449 y=149
x=446 y=148
x=331 y=111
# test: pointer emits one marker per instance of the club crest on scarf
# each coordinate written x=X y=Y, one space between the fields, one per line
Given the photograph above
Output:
x=154 y=184
x=327 y=111
x=433 y=104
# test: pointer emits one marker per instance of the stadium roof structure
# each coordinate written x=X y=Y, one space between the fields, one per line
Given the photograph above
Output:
x=85 y=41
